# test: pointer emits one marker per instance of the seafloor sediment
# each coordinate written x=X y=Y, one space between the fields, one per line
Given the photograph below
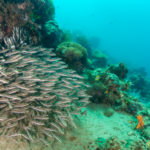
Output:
x=93 y=132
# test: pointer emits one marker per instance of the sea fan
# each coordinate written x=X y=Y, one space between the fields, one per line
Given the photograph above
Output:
x=38 y=95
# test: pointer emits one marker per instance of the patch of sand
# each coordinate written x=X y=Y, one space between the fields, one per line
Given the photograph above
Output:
x=94 y=124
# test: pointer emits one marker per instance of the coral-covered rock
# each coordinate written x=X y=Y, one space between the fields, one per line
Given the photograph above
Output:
x=120 y=70
x=51 y=35
x=83 y=40
x=140 y=84
x=99 y=59
x=34 y=16
x=112 y=144
x=137 y=145
x=97 y=91
x=107 y=88
x=43 y=10
x=73 y=54
x=16 y=15
x=66 y=36
x=133 y=106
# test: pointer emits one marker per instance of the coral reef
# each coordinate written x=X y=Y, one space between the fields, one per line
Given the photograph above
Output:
x=66 y=36
x=137 y=145
x=73 y=54
x=82 y=40
x=142 y=71
x=43 y=11
x=35 y=17
x=107 y=88
x=38 y=96
x=16 y=15
x=120 y=70
x=52 y=35
x=140 y=84
x=112 y=144
x=99 y=59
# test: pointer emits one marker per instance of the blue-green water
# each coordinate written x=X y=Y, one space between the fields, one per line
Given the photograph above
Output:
x=121 y=25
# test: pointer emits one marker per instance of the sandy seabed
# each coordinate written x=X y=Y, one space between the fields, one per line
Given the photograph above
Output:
x=90 y=126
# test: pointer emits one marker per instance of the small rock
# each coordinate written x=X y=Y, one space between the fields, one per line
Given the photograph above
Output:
x=109 y=112
x=131 y=133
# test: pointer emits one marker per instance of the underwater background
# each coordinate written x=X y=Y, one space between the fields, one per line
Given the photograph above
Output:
x=74 y=75
x=121 y=26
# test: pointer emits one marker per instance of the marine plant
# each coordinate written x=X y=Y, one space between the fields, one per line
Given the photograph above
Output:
x=38 y=95
x=73 y=54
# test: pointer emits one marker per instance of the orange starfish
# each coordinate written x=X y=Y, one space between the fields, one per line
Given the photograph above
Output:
x=141 y=122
